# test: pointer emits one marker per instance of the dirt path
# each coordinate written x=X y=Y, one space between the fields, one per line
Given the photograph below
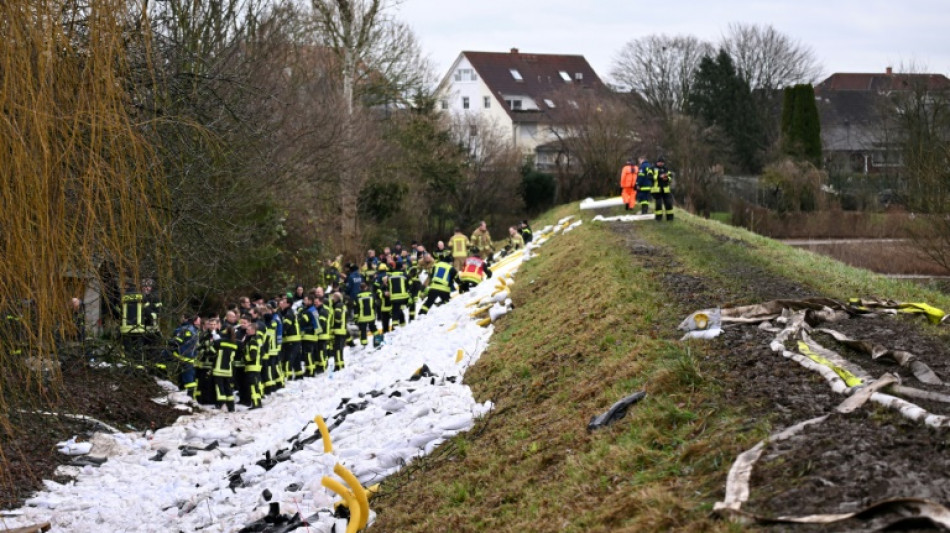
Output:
x=843 y=464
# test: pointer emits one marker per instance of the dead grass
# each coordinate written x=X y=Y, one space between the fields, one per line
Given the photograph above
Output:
x=884 y=257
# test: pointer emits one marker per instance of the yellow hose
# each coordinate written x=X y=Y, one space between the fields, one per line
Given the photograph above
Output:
x=452 y=327
x=357 y=489
x=484 y=322
x=459 y=355
x=325 y=433
x=355 y=519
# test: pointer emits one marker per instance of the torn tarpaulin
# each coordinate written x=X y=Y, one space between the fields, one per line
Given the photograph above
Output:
x=616 y=411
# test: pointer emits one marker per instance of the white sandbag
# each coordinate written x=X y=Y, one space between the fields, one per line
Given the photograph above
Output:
x=458 y=422
x=497 y=312
x=703 y=334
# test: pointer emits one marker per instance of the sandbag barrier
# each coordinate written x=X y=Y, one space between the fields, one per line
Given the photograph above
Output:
x=498 y=304
x=797 y=318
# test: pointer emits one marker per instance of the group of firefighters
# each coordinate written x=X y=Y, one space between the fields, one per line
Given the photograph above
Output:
x=260 y=345
x=640 y=182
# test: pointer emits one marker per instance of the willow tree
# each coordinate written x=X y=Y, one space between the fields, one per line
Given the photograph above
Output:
x=76 y=183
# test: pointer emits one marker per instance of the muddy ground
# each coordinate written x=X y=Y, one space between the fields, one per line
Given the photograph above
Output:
x=845 y=463
x=115 y=396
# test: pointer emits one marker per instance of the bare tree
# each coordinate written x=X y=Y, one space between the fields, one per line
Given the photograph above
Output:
x=599 y=132
x=490 y=180
x=768 y=59
x=659 y=69
x=371 y=48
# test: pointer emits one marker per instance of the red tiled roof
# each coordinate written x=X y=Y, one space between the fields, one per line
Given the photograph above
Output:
x=882 y=82
x=540 y=75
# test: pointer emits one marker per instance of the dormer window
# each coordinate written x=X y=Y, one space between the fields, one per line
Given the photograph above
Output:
x=514 y=105
x=465 y=74
x=565 y=76
x=515 y=74
x=579 y=76
x=550 y=103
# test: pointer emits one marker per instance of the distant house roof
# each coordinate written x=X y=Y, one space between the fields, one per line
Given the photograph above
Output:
x=537 y=76
x=850 y=120
x=882 y=82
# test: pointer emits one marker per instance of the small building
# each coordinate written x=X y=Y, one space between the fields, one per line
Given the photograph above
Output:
x=856 y=114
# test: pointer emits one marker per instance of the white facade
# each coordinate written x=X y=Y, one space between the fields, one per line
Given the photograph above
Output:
x=463 y=94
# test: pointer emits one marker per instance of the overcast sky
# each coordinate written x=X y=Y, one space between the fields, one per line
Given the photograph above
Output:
x=846 y=35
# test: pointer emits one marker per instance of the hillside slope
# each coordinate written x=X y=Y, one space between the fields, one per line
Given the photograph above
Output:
x=596 y=321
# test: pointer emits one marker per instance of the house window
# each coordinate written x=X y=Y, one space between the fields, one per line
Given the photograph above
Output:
x=550 y=103
x=579 y=76
x=464 y=102
x=465 y=74
x=514 y=105
x=472 y=130
x=565 y=76
x=515 y=74
x=487 y=101
x=445 y=105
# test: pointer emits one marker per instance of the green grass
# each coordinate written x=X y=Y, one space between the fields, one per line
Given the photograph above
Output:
x=594 y=323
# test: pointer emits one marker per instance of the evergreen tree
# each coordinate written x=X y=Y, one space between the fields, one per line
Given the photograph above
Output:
x=721 y=98
x=801 y=129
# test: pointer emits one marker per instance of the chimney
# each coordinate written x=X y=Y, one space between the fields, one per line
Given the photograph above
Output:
x=889 y=71
x=514 y=50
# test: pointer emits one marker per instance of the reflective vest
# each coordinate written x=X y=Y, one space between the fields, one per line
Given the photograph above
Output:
x=662 y=177
x=185 y=344
x=273 y=347
x=365 y=304
x=291 y=327
x=132 y=314
x=474 y=270
x=459 y=245
x=441 y=277
x=324 y=323
x=398 y=286
x=224 y=357
x=339 y=319
x=308 y=324
x=252 y=352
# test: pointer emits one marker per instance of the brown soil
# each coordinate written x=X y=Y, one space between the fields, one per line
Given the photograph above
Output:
x=120 y=398
x=845 y=463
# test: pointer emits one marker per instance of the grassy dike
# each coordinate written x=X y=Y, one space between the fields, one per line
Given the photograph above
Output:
x=590 y=327
x=593 y=323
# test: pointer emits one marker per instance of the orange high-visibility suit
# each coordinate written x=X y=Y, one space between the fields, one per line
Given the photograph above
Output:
x=628 y=180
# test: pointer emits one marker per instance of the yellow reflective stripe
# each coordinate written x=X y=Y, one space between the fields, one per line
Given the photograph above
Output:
x=849 y=379
x=934 y=314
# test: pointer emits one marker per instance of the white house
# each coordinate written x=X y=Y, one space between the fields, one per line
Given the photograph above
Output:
x=518 y=93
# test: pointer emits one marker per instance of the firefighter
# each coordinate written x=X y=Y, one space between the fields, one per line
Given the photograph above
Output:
x=384 y=299
x=441 y=253
x=309 y=337
x=473 y=272
x=290 y=347
x=365 y=313
x=440 y=285
x=628 y=181
x=226 y=347
x=325 y=325
x=662 y=193
x=526 y=232
x=415 y=286
x=204 y=361
x=459 y=244
x=151 y=311
x=132 y=326
x=644 y=185
x=399 y=294
x=515 y=240
x=184 y=347
x=251 y=354
x=481 y=239
x=338 y=308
